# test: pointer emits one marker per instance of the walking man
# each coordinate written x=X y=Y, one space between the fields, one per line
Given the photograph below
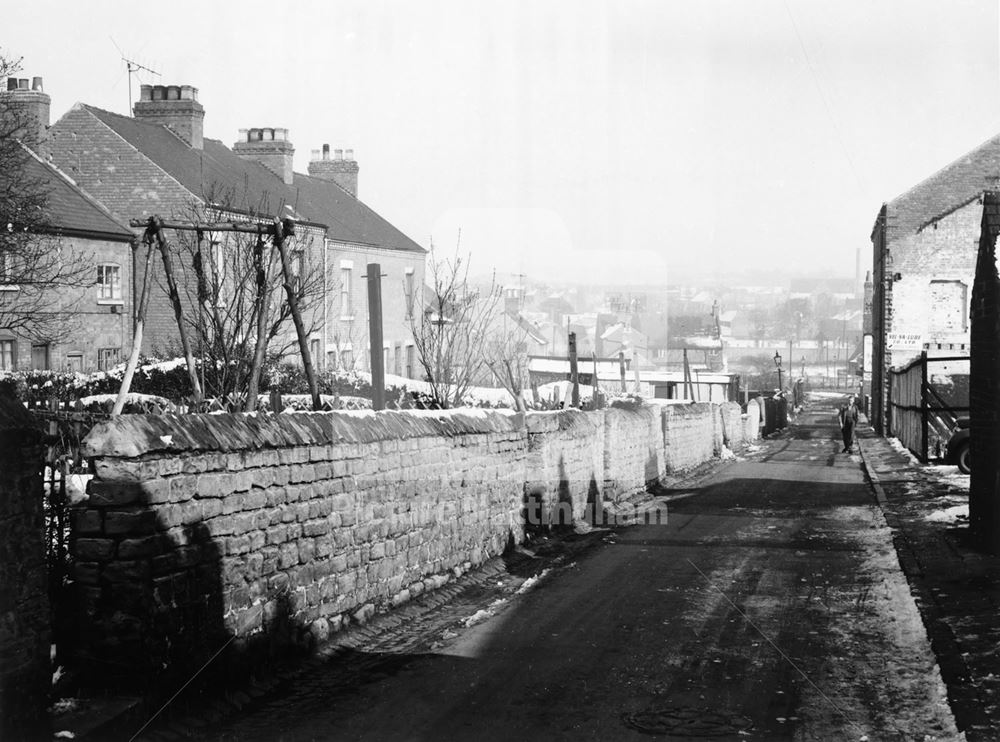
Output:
x=848 y=420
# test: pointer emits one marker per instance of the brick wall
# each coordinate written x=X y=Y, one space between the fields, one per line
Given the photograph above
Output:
x=25 y=676
x=92 y=325
x=280 y=528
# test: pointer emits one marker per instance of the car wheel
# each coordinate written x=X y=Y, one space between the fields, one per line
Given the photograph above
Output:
x=964 y=458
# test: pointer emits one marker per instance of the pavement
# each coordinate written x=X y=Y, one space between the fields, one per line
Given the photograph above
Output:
x=794 y=593
x=956 y=587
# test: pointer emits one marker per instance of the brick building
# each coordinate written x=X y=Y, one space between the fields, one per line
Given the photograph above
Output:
x=924 y=244
x=160 y=162
x=93 y=327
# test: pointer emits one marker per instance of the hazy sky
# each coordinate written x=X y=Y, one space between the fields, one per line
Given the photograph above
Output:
x=592 y=141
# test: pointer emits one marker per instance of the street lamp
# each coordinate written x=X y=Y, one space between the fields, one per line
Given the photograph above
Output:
x=777 y=365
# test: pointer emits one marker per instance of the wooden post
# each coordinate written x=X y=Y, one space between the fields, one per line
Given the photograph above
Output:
x=140 y=320
x=621 y=369
x=924 y=411
x=574 y=376
x=283 y=230
x=635 y=371
x=597 y=386
x=156 y=225
x=263 y=307
x=375 y=335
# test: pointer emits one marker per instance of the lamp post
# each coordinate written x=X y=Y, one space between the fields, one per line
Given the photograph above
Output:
x=777 y=365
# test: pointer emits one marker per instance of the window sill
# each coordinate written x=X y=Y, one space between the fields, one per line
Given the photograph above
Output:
x=347 y=318
x=9 y=287
x=111 y=302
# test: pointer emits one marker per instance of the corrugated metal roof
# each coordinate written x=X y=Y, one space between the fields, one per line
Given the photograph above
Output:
x=216 y=174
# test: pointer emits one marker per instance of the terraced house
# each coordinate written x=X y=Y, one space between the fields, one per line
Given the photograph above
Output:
x=65 y=261
x=159 y=162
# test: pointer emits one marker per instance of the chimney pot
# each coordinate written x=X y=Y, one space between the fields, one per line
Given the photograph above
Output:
x=22 y=83
x=36 y=84
x=187 y=92
x=145 y=92
x=326 y=151
x=338 y=154
x=11 y=83
x=314 y=155
x=173 y=92
x=159 y=92
x=349 y=155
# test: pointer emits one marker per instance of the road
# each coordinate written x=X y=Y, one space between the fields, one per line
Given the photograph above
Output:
x=770 y=606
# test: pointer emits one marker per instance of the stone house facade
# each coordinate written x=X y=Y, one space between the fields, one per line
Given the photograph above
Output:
x=159 y=162
x=924 y=246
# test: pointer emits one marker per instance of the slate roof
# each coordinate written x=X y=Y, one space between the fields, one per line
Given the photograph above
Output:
x=347 y=219
x=951 y=186
x=68 y=210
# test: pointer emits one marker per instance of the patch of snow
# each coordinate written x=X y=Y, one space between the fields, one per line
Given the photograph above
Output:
x=949 y=515
x=484 y=613
x=531 y=582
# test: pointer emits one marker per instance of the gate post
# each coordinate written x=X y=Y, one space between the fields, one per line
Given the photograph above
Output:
x=25 y=631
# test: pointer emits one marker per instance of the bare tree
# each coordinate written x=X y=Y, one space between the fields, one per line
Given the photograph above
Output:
x=506 y=354
x=239 y=313
x=40 y=277
x=451 y=333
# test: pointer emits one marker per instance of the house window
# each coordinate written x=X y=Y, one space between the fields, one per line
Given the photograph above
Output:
x=298 y=268
x=314 y=351
x=74 y=362
x=6 y=271
x=398 y=365
x=8 y=355
x=40 y=356
x=108 y=358
x=385 y=359
x=411 y=361
x=109 y=282
x=409 y=293
x=949 y=305
x=345 y=292
x=347 y=358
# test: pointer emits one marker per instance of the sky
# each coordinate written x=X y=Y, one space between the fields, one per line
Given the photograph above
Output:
x=619 y=141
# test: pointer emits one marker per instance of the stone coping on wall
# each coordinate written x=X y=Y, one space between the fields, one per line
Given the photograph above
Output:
x=550 y=421
x=127 y=436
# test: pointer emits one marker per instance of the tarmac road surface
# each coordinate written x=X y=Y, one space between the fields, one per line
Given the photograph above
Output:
x=770 y=606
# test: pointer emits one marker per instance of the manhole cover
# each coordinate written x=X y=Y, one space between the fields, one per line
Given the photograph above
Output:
x=687 y=722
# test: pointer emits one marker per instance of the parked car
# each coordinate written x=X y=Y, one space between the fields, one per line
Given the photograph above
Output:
x=957 y=450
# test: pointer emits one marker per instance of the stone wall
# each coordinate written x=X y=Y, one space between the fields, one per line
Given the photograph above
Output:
x=689 y=435
x=25 y=675
x=564 y=478
x=633 y=449
x=278 y=528
x=280 y=525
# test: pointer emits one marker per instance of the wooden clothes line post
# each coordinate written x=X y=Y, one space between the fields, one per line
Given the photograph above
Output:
x=279 y=230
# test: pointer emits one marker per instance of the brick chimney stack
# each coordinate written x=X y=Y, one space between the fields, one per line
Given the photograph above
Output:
x=342 y=169
x=269 y=147
x=173 y=106
x=27 y=107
